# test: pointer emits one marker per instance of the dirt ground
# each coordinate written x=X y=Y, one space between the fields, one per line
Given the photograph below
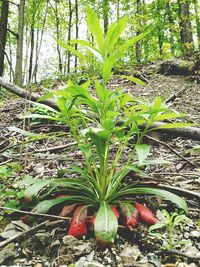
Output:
x=49 y=245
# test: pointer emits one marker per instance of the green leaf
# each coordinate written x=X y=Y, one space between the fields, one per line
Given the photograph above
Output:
x=90 y=47
x=133 y=79
x=99 y=137
x=72 y=50
x=142 y=152
x=154 y=191
x=172 y=125
x=169 y=116
x=114 y=32
x=95 y=28
x=105 y=225
x=34 y=189
x=102 y=93
x=44 y=206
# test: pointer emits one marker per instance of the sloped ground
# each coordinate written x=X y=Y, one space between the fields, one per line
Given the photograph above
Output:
x=49 y=245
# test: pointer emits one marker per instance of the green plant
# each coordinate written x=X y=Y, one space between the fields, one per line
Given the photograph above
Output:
x=169 y=221
x=103 y=122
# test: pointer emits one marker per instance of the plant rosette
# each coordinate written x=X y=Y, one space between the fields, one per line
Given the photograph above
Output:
x=104 y=123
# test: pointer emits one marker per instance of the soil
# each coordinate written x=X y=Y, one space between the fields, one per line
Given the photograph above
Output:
x=50 y=245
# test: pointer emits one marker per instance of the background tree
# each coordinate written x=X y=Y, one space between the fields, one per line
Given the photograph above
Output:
x=3 y=32
x=19 y=55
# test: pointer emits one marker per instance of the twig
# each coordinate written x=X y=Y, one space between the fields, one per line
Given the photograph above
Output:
x=17 y=236
x=176 y=252
x=50 y=149
x=173 y=150
x=175 y=95
x=36 y=214
x=196 y=174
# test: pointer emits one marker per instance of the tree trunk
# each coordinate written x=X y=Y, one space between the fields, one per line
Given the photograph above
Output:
x=138 y=49
x=60 y=65
x=32 y=33
x=171 y=23
x=69 y=34
x=185 y=27
x=19 y=60
x=105 y=15
x=197 y=18
x=39 y=45
x=3 y=32
x=77 y=32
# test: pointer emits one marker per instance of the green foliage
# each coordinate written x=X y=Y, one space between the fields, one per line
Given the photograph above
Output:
x=99 y=121
x=170 y=222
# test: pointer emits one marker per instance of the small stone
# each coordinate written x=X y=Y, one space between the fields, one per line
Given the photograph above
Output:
x=7 y=252
x=69 y=240
x=38 y=264
x=93 y=264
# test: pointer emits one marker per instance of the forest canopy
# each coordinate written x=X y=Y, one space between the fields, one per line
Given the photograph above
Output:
x=29 y=53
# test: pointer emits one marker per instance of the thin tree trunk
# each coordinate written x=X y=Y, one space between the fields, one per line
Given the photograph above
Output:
x=185 y=27
x=19 y=60
x=138 y=49
x=105 y=15
x=77 y=32
x=197 y=18
x=38 y=48
x=3 y=32
x=171 y=23
x=69 y=34
x=32 y=33
x=58 y=36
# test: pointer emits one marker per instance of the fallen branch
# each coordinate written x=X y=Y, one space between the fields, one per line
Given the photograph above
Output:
x=177 y=94
x=29 y=231
x=25 y=93
x=36 y=214
x=56 y=148
x=171 y=149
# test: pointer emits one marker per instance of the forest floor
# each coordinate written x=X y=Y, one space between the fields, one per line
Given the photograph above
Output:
x=49 y=245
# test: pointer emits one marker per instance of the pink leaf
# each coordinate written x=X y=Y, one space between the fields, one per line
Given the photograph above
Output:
x=146 y=215
x=130 y=214
x=78 y=226
x=67 y=210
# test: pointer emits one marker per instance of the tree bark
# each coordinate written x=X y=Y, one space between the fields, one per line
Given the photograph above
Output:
x=185 y=27
x=77 y=32
x=171 y=23
x=19 y=60
x=32 y=33
x=15 y=89
x=138 y=49
x=69 y=35
x=105 y=15
x=3 y=33
x=197 y=18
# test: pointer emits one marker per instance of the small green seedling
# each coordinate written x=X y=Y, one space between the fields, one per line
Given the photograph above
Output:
x=171 y=222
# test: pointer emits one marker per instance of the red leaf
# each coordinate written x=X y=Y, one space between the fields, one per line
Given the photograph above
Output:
x=67 y=210
x=115 y=211
x=78 y=226
x=146 y=215
x=130 y=214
